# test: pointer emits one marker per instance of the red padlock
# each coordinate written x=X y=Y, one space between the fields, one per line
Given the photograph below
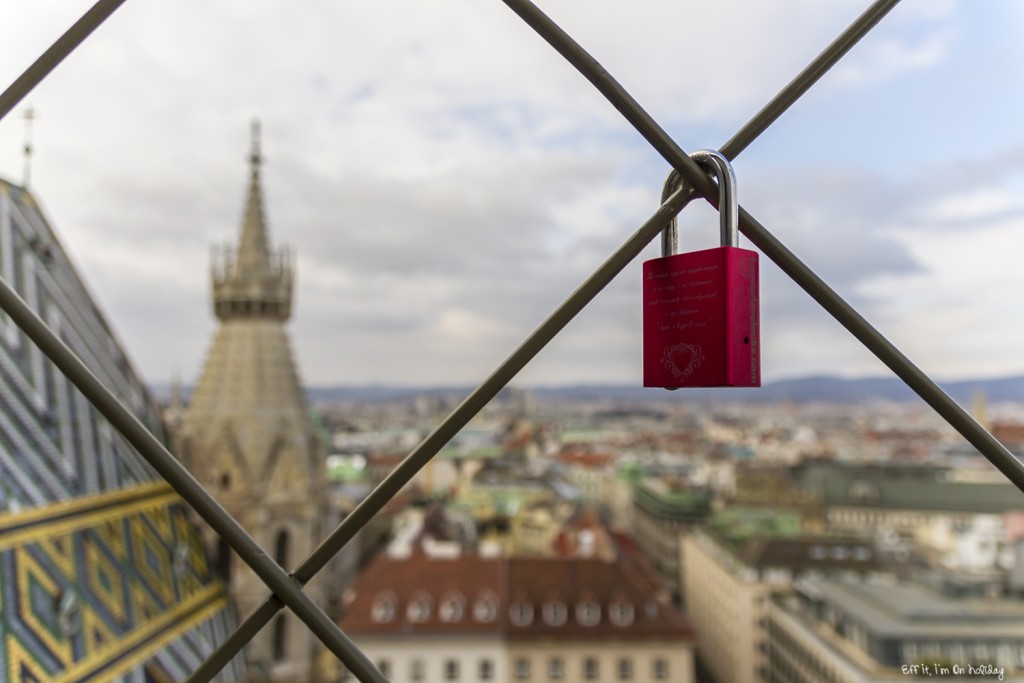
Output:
x=701 y=309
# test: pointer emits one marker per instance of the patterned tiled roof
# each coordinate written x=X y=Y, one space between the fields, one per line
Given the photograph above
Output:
x=102 y=574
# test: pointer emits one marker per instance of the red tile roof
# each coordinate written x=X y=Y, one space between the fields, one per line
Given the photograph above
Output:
x=418 y=594
x=577 y=581
x=586 y=459
x=1009 y=433
x=405 y=580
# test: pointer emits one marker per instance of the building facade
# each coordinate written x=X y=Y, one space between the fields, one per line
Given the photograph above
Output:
x=467 y=617
x=663 y=513
x=246 y=433
x=836 y=630
x=899 y=498
x=732 y=569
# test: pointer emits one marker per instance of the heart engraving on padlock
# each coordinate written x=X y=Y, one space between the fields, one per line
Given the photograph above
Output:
x=701 y=321
x=682 y=359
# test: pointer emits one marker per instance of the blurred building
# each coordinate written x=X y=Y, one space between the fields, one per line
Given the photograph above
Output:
x=461 y=617
x=759 y=484
x=953 y=520
x=586 y=469
x=846 y=631
x=103 y=576
x=734 y=565
x=664 y=511
x=616 y=492
x=900 y=498
x=247 y=436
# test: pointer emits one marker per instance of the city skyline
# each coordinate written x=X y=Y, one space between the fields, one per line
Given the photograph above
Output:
x=445 y=184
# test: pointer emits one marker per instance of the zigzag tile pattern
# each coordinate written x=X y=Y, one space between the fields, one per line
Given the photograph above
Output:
x=103 y=576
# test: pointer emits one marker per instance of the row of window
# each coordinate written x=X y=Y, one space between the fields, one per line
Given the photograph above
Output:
x=587 y=612
x=1005 y=653
x=453 y=608
x=791 y=660
x=556 y=669
x=840 y=552
x=451 y=669
x=590 y=669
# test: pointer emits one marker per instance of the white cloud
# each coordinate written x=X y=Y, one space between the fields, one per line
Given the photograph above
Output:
x=445 y=177
x=891 y=57
x=974 y=204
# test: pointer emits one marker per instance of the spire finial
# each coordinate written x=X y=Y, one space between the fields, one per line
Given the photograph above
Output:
x=255 y=158
x=29 y=116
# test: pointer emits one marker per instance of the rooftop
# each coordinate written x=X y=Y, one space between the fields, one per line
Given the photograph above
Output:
x=518 y=598
x=915 y=610
x=666 y=499
x=906 y=487
x=773 y=537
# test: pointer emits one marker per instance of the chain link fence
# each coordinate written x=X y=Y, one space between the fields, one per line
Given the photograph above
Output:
x=287 y=588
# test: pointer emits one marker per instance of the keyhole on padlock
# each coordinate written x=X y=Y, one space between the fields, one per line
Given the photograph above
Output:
x=746 y=340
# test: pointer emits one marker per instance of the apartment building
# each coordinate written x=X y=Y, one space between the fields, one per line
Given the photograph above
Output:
x=464 y=617
x=839 y=630
x=900 y=498
x=733 y=566
x=664 y=510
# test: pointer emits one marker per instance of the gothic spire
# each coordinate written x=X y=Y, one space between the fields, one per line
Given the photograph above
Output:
x=253 y=281
x=253 y=250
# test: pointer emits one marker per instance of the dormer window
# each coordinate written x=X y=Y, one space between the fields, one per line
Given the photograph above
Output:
x=588 y=613
x=555 y=613
x=861 y=554
x=485 y=609
x=452 y=607
x=840 y=552
x=384 y=608
x=521 y=613
x=418 y=610
x=621 y=613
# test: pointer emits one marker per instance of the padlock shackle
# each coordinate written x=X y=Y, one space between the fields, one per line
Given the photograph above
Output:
x=728 y=206
x=670 y=235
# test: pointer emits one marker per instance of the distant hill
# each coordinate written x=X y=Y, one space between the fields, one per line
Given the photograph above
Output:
x=821 y=389
x=803 y=390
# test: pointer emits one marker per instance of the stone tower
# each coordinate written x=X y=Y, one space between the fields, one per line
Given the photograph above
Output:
x=246 y=434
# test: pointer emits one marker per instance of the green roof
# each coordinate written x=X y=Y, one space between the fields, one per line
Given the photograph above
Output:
x=908 y=488
x=631 y=472
x=681 y=504
x=738 y=524
x=346 y=471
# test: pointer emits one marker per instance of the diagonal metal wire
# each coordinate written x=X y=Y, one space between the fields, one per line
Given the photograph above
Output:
x=845 y=314
x=287 y=590
x=55 y=54
x=150 y=448
x=808 y=77
x=444 y=432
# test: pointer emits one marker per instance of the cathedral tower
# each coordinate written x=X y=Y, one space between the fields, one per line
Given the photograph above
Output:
x=246 y=432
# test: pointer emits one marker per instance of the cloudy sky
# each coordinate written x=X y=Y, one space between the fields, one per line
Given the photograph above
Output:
x=446 y=179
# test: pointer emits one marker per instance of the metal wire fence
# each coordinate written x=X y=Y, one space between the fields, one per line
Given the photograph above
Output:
x=287 y=588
